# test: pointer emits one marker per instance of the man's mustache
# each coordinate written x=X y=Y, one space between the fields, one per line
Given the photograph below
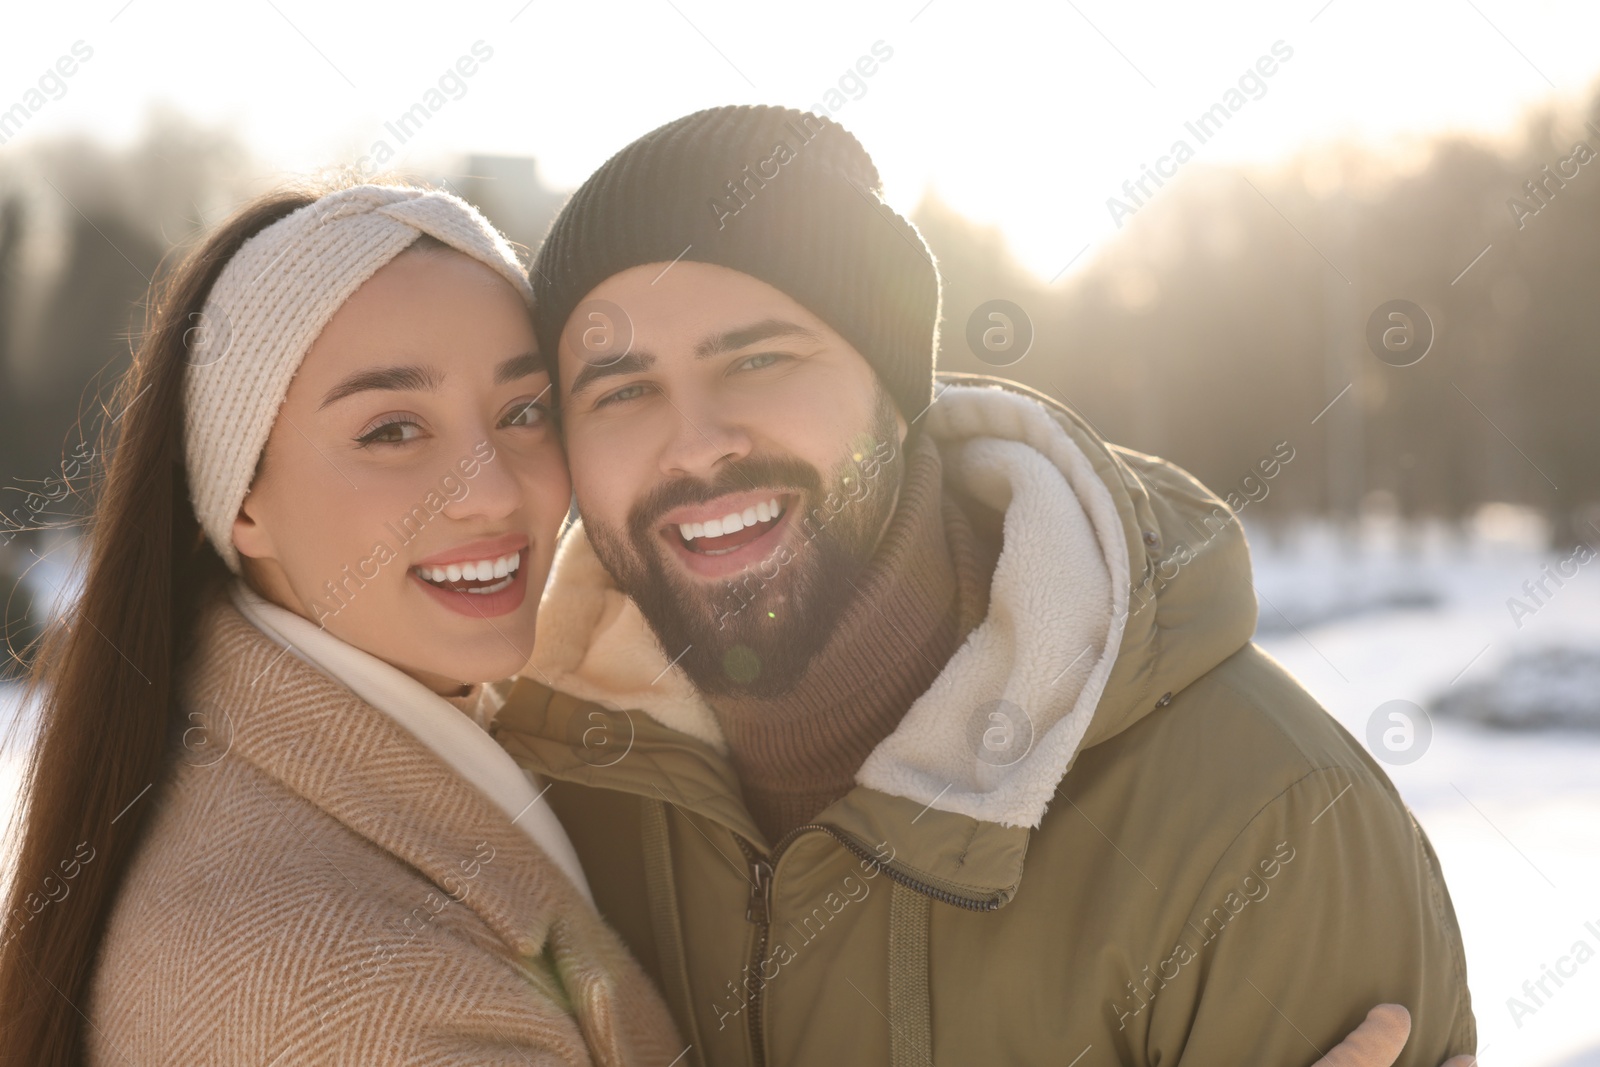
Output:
x=782 y=473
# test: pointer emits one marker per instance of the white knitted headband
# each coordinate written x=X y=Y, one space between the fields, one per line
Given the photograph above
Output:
x=268 y=306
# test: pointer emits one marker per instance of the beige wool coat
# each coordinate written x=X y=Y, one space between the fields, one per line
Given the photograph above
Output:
x=317 y=887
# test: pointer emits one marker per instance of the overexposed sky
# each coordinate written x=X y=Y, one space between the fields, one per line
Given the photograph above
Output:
x=1026 y=115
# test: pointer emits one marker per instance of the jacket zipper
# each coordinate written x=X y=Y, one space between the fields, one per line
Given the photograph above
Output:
x=943 y=896
x=758 y=911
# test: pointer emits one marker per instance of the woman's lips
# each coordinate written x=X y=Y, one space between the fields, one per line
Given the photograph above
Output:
x=479 y=598
x=490 y=548
x=479 y=605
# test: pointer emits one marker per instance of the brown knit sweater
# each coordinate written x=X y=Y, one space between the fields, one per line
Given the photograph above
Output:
x=925 y=590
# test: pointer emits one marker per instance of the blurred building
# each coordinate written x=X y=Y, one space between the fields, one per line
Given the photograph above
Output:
x=509 y=190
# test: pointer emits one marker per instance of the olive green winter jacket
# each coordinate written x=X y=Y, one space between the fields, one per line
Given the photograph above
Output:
x=1114 y=831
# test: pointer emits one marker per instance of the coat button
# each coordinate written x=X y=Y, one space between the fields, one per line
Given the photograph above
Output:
x=1166 y=698
x=1151 y=538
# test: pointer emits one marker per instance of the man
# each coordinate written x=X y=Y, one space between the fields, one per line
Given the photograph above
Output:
x=833 y=653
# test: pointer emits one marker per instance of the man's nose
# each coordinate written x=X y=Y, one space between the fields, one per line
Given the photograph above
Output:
x=702 y=440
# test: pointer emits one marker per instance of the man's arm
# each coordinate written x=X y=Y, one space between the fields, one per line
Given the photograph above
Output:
x=1327 y=903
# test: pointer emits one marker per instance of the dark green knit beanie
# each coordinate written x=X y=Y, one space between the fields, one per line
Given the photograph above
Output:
x=785 y=196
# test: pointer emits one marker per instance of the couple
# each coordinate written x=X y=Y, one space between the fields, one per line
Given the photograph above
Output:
x=835 y=649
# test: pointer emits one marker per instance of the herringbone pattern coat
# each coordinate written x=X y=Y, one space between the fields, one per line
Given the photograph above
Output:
x=316 y=887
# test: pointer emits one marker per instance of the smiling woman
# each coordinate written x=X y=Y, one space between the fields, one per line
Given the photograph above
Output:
x=302 y=783
x=429 y=361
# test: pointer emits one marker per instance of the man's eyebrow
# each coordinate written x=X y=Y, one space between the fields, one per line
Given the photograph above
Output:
x=744 y=336
x=632 y=363
x=520 y=367
x=407 y=377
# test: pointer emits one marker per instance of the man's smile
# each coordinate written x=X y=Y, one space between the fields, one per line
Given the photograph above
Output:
x=724 y=536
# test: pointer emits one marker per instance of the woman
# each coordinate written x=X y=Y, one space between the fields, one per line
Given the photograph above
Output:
x=264 y=822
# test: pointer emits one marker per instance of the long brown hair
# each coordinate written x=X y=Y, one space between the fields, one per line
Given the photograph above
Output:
x=105 y=676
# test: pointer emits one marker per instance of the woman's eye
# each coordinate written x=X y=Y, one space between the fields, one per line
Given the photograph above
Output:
x=526 y=413
x=394 y=432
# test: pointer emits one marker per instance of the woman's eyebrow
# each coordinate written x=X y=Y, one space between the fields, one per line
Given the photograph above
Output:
x=519 y=367
x=413 y=377
x=407 y=377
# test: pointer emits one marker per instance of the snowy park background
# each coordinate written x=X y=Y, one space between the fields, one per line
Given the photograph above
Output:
x=1421 y=615
x=1407 y=154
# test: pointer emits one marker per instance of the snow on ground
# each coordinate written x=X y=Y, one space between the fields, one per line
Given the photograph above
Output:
x=1514 y=815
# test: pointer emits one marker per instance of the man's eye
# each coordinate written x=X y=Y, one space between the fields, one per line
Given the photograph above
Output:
x=393 y=432
x=526 y=413
x=762 y=359
x=626 y=393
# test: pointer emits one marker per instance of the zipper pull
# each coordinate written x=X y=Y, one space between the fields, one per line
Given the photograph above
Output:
x=760 y=909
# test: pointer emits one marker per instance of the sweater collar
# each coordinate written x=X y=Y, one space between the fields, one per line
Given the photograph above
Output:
x=914 y=602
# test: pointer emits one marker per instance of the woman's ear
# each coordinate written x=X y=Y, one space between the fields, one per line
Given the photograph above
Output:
x=250 y=534
x=258 y=555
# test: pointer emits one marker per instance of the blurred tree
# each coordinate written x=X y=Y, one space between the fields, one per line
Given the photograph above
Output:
x=10 y=247
x=1233 y=308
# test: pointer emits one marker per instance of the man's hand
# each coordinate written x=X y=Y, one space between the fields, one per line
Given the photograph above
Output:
x=1378 y=1040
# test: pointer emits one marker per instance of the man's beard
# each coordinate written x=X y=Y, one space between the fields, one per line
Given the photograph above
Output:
x=755 y=634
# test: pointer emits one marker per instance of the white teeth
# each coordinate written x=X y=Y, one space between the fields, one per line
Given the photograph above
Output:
x=481 y=570
x=732 y=522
